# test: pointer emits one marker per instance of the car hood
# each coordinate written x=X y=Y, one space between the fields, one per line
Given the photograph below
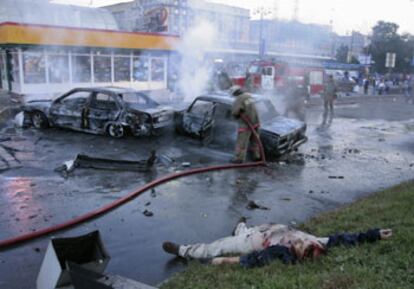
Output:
x=42 y=104
x=40 y=101
x=282 y=126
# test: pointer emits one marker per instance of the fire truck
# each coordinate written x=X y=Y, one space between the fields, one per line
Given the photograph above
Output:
x=266 y=75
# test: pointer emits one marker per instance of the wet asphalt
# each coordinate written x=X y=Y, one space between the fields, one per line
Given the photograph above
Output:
x=369 y=146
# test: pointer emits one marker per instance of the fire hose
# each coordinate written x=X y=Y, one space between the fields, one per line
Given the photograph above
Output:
x=111 y=206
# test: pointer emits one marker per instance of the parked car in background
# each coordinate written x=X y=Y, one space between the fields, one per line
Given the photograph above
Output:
x=209 y=118
x=109 y=110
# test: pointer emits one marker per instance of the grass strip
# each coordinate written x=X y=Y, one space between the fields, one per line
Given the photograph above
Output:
x=386 y=264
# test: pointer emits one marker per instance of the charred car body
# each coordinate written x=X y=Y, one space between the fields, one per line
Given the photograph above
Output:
x=209 y=117
x=113 y=111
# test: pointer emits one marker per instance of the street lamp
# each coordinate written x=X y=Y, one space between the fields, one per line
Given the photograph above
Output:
x=263 y=12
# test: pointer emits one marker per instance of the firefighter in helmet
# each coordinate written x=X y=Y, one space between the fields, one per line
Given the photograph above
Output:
x=244 y=104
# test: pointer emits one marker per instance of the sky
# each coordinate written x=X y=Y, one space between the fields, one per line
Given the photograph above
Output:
x=345 y=15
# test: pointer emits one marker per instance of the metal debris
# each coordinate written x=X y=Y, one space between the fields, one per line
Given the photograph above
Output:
x=251 y=205
x=153 y=193
x=88 y=162
x=148 y=213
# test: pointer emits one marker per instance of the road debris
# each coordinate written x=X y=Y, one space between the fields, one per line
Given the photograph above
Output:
x=88 y=162
x=336 y=177
x=165 y=160
x=148 y=213
x=251 y=205
x=153 y=193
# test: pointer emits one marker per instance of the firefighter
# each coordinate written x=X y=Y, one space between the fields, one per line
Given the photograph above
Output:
x=244 y=104
x=329 y=95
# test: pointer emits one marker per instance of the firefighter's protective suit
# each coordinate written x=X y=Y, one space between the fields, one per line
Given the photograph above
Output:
x=244 y=104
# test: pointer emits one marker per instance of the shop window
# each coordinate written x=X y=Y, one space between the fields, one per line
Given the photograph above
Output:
x=15 y=69
x=140 y=68
x=34 y=67
x=81 y=68
x=102 y=68
x=122 y=69
x=58 y=67
x=157 y=69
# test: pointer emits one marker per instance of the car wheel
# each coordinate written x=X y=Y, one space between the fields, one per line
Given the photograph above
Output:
x=116 y=130
x=39 y=120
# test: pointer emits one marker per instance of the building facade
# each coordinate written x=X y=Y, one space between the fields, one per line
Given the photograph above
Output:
x=356 y=43
x=292 y=36
x=176 y=16
x=52 y=54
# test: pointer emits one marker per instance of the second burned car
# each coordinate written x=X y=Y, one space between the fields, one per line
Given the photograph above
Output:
x=209 y=117
x=109 y=110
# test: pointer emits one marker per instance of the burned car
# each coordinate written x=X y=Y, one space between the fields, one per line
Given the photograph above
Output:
x=209 y=117
x=110 y=110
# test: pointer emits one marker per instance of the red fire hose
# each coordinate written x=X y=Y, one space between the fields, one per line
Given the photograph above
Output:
x=100 y=211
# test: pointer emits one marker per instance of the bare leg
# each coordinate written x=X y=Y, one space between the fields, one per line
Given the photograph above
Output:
x=331 y=112
x=325 y=112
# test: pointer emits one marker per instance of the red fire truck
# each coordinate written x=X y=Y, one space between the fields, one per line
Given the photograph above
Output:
x=276 y=75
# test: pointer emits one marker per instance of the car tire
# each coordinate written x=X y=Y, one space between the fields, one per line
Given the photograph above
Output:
x=116 y=130
x=39 y=120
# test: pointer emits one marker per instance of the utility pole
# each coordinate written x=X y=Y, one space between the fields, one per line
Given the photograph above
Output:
x=262 y=12
x=295 y=15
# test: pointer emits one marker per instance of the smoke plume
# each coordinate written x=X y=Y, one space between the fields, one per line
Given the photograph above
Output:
x=194 y=69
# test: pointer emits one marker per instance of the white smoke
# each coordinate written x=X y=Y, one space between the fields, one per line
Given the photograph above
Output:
x=194 y=69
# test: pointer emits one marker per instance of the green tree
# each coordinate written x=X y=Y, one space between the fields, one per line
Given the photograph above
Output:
x=384 y=39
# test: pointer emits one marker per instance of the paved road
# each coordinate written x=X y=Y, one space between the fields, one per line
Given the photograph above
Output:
x=370 y=146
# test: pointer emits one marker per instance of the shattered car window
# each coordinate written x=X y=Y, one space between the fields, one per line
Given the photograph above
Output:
x=201 y=107
x=76 y=97
x=138 y=99
x=103 y=101
x=222 y=112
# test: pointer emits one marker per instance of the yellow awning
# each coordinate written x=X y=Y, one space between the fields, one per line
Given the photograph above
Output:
x=27 y=34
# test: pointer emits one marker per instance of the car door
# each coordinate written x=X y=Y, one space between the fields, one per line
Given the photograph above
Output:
x=225 y=126
x=198 y=119
x=104 y=107
x=67 y=110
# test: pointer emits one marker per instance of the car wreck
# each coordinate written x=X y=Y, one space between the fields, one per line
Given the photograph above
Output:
x=209 y=118
x=110 y=110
